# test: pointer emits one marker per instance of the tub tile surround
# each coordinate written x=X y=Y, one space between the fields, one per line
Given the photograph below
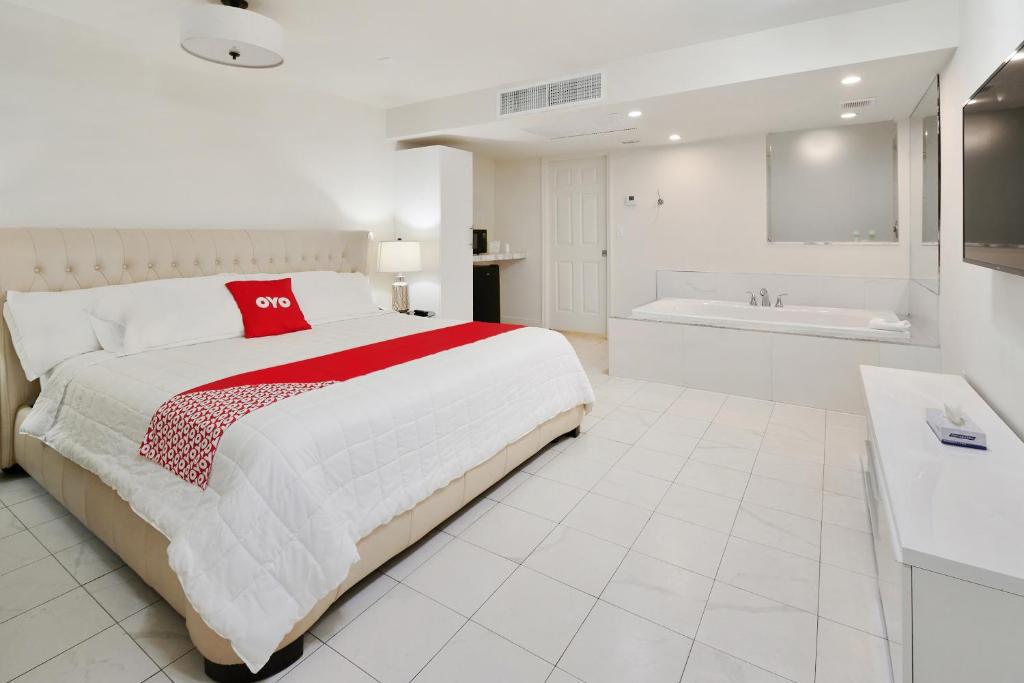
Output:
x=791 y=368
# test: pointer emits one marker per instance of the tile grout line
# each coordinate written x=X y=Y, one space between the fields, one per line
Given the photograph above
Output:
x=116 y=623
x=617 y=567
x=560 y=523
x=700 y=621
x=48 y=600
x=522 y=564
x=498 y=587
x=72 y=647
x=821 y=556
x=79 y=585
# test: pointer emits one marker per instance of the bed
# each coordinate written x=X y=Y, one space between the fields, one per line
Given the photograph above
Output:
x=434 y=433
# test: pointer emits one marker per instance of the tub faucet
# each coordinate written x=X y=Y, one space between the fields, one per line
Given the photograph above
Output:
x=753 y=299
x=765 y=299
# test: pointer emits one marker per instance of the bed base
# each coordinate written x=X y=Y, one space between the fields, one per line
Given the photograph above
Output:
x=239 y=673
x=144 y=549
x=286 y=656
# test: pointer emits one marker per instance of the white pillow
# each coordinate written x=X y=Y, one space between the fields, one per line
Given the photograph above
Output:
x=50 y=327
x=164 y=313
x=326 y=296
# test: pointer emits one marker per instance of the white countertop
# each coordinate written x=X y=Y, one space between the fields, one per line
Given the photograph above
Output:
x=494 y=258
x=957 y=511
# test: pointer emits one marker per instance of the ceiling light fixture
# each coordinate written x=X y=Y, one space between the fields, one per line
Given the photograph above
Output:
x=675 y=137
x=635 y=114
x=848 y=115
x=231 y=34
x=851 y=80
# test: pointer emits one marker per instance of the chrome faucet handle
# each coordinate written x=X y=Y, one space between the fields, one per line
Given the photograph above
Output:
x=753 y=299
x=778 y=300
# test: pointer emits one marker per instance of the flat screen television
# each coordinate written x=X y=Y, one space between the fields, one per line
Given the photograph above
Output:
x=994 y=170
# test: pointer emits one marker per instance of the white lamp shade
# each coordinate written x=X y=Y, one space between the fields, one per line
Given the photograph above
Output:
x=232 y=36
x=398 y=256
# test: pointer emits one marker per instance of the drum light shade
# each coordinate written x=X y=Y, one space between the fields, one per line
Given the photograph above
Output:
x=398 y=257
x=232 y=36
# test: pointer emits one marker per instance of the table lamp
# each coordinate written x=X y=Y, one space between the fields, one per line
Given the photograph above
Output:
x=399 y=257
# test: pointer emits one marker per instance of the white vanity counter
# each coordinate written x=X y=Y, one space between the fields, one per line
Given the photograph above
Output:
x=956 y=511
x=948 y=526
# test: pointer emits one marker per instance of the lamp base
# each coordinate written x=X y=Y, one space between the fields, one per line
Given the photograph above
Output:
x=400 y=296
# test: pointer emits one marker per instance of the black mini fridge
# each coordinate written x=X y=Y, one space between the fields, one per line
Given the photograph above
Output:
x=486 y=294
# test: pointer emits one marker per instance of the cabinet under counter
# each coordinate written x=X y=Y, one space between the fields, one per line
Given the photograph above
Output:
x=947 y=524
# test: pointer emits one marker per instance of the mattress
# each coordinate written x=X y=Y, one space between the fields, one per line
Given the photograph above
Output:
x=296 y=484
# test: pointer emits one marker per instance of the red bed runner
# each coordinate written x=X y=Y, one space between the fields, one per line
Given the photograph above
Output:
x=185 y=431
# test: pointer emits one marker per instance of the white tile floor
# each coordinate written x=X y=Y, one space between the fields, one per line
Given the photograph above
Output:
x=686 y=536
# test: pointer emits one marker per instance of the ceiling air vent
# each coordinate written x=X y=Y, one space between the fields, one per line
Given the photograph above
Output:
x=588 y=88
x=858 y=104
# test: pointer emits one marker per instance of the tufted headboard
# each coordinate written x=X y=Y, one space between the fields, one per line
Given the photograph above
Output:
x=40 y=260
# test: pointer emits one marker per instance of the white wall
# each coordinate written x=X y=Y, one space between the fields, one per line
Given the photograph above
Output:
x=434 y=206
x=714 y=219
x=982 y=311
x=483 y=192
x=97 y=135
x=517 y=209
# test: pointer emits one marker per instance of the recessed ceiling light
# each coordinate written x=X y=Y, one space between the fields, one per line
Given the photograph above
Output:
x=675 y=137
x=635 y=114
x=848 y=115
x=851 y=80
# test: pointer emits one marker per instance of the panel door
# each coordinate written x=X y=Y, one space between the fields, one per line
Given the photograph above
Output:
x=578 y=241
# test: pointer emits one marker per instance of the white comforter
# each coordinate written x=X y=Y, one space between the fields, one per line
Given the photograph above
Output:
x=295 y=485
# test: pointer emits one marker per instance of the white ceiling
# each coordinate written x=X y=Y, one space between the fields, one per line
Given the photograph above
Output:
x=389 y=53
x=806 y=100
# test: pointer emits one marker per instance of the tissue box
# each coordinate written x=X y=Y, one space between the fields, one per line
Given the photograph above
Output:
x=968 y=435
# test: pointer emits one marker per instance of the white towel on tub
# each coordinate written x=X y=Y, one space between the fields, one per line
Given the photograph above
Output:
x=889 y=325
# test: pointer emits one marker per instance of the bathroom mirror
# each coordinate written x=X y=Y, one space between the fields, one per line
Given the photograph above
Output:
x=925 y=171
x=836 y=184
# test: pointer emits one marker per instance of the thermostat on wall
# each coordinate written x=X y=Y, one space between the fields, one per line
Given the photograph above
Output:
x=630 y=200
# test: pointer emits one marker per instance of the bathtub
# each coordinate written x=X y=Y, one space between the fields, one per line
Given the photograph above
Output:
x=844 y=323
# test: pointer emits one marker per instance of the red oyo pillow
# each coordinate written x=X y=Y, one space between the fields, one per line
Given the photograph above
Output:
x=268 y=307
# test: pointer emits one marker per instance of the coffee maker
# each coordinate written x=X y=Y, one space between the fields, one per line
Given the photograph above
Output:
x=479 y=241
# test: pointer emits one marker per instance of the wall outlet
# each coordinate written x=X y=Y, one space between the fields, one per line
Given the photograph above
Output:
x=630 y=200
